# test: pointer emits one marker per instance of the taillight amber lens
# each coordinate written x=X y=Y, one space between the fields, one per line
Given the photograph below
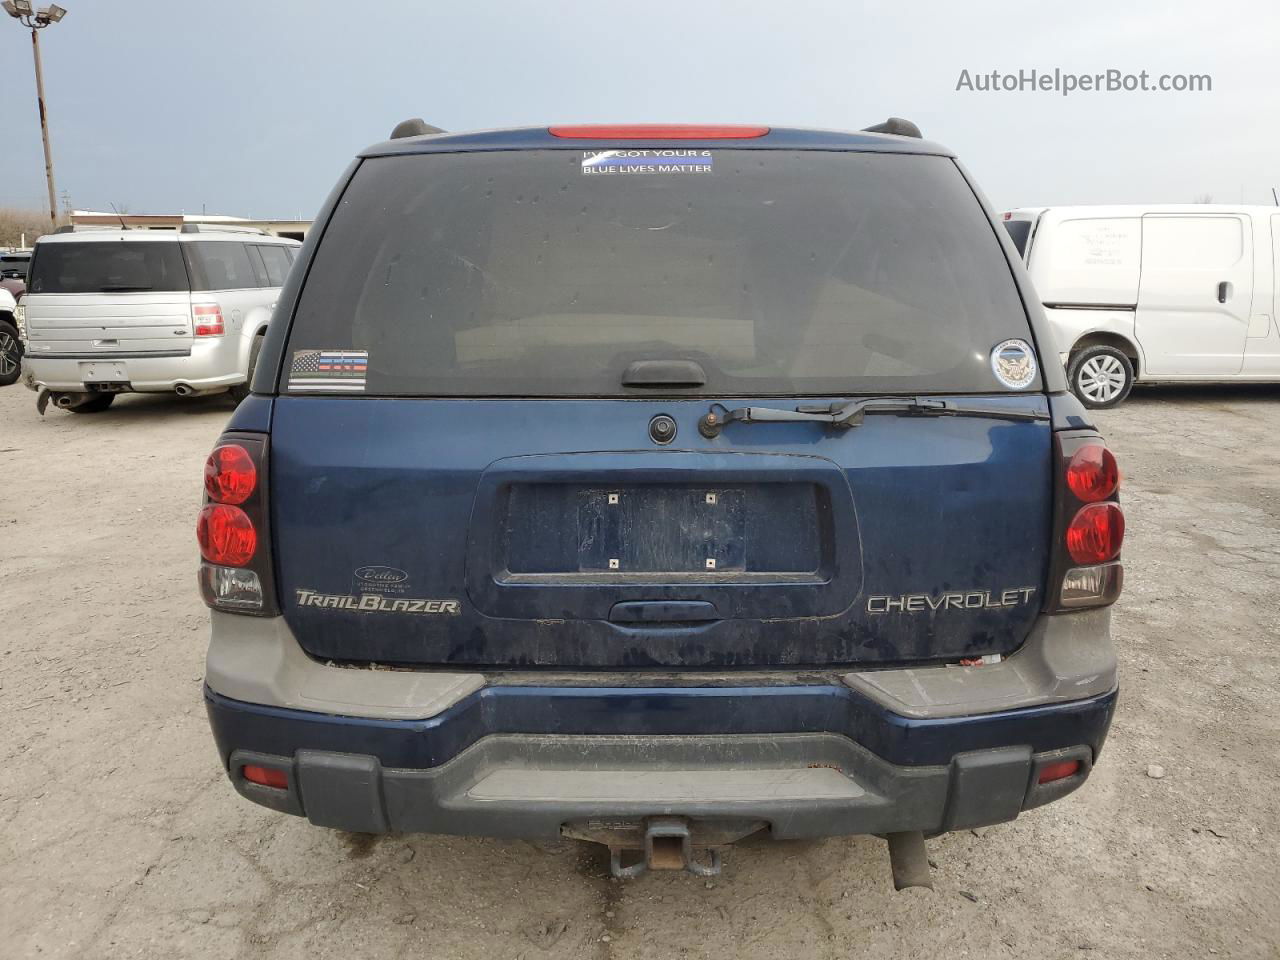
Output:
x=1095 y=534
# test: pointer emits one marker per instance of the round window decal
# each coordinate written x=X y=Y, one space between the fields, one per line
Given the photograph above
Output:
x=1014 y=364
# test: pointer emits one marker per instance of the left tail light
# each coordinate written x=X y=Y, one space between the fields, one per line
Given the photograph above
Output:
x=232 y=528
x=1088 y=525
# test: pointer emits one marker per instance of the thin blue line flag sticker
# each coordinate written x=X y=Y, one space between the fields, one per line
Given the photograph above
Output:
x=329 y=371
x=601 y=162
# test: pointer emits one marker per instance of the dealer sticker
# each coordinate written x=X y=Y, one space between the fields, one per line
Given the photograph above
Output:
x=600 y=162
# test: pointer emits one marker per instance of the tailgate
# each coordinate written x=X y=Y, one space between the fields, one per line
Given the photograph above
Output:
x=109 y=324
x=554 y=533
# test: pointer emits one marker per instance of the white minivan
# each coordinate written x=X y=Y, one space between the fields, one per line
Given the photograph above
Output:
x=112 y=311
x=1155 y=293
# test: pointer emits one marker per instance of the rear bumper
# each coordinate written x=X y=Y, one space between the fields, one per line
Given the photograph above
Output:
x=212 y=364
x=807 y=760
x=815 y=754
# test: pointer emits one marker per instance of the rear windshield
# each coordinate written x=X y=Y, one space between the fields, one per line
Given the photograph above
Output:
x=548 y=273
x=1019 y=230
x=108 y=266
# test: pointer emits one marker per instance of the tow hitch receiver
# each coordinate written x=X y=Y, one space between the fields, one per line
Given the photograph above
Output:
x=668 y=845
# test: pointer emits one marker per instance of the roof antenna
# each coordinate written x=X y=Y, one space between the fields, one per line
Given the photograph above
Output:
x=1274 y=198
x=116 y=211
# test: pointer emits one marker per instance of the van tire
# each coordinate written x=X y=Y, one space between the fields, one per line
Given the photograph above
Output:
x=95 y=403
x=1100 y=376
x=242 y=390
x=10 y=353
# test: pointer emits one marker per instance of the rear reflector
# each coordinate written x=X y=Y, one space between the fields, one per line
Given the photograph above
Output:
x=226 y=535
x=657 y=131
x=269 y=777
x=1049 y=773
x=1095 y=534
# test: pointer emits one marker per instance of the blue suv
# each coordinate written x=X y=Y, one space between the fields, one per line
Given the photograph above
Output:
x=658 y=486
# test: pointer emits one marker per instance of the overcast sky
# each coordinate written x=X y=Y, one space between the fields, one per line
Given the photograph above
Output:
x=254 y=109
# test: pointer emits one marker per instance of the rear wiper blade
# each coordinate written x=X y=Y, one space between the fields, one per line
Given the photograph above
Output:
x=851 y=413
x=121 y=287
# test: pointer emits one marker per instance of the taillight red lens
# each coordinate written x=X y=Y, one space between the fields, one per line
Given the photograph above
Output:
x=1057 y=771
x=1092 y=473
x=226 y=535
x=265 y=776
x=208 y=320
x=1095 y=534
x=657 y=131
x=229 y=474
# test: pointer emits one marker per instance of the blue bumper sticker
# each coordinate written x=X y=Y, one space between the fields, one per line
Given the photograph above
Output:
x=646 y=161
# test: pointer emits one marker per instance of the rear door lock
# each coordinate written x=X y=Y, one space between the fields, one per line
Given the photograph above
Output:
x=662 y=429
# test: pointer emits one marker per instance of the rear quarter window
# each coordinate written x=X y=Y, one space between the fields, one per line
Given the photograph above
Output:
x=779 y=272
x=219 y=265
x=108 y=266
x=1019 y=231
x=276 y=262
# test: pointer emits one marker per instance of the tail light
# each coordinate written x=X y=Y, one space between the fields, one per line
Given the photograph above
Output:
x=207 y=320
x=1088 y=527
x=232 y=528
x=1095 y=533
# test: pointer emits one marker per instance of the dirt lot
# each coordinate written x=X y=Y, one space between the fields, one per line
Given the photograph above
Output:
x=121 y=836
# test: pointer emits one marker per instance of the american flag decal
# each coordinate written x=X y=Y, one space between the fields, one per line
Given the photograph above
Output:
x=329 y=371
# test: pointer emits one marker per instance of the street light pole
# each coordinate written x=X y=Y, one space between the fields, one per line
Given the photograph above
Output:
x=37 y=20
x=44 y=129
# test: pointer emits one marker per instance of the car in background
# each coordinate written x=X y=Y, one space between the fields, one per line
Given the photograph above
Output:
x=13 y=271
x=1166 y=293
x=10 y=339
x=113 y=311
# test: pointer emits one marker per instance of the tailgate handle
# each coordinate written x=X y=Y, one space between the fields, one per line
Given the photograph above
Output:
x=663 y=611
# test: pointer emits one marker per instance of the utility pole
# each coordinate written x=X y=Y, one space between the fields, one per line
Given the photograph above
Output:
x=37 y=20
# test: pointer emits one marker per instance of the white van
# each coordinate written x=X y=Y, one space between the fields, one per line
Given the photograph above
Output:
x=1155 y=293
x=110 y=311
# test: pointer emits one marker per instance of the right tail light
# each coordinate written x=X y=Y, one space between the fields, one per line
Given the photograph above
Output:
x=232 y=528
x=1088 y=525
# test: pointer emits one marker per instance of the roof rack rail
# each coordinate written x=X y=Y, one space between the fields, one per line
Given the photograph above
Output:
x=219 y=228
x=90 y=227
x=896 y=126
x=415 y=127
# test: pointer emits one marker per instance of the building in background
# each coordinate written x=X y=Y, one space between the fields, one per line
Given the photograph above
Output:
x=291 y=229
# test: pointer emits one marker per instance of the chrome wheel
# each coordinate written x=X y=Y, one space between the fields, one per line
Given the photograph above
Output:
x=10 y=355
x=1101 y=379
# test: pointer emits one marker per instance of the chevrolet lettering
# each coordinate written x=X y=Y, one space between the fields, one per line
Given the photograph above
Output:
x=952 y=600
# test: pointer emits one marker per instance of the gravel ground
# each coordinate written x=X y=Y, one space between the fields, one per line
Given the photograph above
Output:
x=121 y=836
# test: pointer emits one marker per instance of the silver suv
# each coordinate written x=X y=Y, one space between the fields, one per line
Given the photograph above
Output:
x=112 y=311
